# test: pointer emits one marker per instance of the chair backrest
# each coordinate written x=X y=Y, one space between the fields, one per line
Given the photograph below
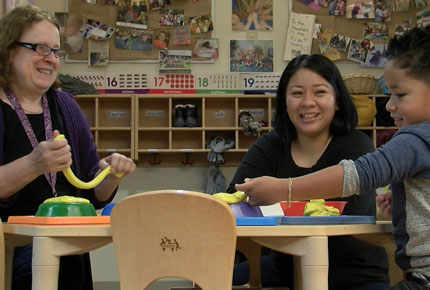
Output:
x=2 y=258
x=168 y=233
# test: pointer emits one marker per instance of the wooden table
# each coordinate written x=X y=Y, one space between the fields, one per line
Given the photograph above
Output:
x=308 y=242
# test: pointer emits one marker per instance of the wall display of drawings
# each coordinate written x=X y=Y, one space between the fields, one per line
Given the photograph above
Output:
x=358 y=30
x=142 y=28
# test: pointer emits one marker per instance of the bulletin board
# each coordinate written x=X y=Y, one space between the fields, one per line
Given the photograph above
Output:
x=107 y=14
x=352 y=28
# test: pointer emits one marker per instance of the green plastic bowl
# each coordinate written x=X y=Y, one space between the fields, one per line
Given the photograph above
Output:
x=53 y=209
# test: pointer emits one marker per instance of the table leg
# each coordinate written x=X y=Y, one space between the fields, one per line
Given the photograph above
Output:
x=313 y=257
x=47 y=252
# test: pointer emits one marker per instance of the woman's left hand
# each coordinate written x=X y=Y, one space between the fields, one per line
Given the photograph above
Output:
x=119 y=164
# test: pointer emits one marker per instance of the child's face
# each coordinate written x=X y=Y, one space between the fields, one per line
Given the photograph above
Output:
x=410 y=98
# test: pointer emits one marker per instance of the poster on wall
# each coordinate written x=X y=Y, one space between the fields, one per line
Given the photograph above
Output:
x=252 y=15
x=174 y=61
x=251 y=56
x=299 y=35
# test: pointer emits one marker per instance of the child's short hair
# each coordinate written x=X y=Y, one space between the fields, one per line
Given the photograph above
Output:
x=411 y=52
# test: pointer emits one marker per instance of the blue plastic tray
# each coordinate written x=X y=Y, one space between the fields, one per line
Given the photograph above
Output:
x=327 y=220
x=258 y=221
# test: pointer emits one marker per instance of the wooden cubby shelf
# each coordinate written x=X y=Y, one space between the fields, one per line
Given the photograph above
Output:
x=143 y=127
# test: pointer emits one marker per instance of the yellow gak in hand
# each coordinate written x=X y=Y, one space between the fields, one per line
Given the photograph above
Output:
x=76 y=182
x=231 y=198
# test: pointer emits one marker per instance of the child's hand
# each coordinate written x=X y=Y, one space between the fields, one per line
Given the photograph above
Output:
x=383 y=203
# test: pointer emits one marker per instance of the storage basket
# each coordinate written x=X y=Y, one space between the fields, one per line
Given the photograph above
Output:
x=360 y=83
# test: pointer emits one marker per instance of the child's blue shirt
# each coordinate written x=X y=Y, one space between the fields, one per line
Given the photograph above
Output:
x=404 y=162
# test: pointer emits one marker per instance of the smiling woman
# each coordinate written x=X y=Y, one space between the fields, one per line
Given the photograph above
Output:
x=314 y=129
x=32 y=114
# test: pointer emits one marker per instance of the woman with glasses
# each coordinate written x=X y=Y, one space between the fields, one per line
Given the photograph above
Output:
x=32 y=114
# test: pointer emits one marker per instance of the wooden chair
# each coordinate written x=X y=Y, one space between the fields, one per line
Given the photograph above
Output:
x=168 y=233
x=2 y=258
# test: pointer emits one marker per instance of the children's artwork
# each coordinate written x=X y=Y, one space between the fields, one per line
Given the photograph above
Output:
x=423 y=18
x=132 y=14
x=336 y=7
x=358 y=50
x=71 y=30
x=418 y=4
x=98 y=53
x=161 y=39
x=339 y=42
x=94 y=30
x=324 y=37
x=201 y=24
x=377 y=57
x=132 y=38
x=181 y=35
x=252 y=15
x=313 y=4
x=375 y=30
x=403 y=27
x=360 y=9
x=171 y=17
x=382 y=10
x=206 y=48
x=251 y=56
x=299 y=35
x=174 y=61
x=400 y=5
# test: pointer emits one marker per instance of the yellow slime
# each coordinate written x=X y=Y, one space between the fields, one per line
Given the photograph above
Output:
x=76 y=182
x=316 y=207
x=231 y=198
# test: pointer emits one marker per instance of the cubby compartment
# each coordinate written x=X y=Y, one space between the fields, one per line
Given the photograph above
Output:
x=244 y=141
x=187 y=139
x=114 y=140
x=228 y=136
x=153 y=112
x=220 y=112
x=153 y=140
x=191 y=102
x=88 y=106
x=258 y=107
x=114 y=112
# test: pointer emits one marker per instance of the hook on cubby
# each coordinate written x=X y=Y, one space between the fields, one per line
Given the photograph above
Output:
x=155 y=160
x=187 y=160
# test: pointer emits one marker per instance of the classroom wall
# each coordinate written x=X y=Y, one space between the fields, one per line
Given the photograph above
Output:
x=190 y=178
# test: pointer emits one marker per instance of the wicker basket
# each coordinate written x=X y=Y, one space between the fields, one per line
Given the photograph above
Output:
x=360 y=83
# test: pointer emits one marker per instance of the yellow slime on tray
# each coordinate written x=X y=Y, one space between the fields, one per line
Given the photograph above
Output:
x=231 y=198
x=317 y=207
x=76 y=182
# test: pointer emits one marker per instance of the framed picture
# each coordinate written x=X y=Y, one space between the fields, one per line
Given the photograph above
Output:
x=174 y=61
x=251 y=56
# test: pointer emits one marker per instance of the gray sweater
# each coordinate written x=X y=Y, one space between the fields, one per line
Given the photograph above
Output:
x=404 y=163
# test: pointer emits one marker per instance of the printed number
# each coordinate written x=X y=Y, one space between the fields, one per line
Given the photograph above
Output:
x=158 y=81
x=112 y=82
x=203 y=82
x=249 y=82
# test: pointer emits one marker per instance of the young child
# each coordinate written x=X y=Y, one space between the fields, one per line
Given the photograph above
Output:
x=404 y=162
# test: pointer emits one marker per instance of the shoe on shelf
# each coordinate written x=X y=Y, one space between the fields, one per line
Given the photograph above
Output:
x=179 y=115
x=191 y=115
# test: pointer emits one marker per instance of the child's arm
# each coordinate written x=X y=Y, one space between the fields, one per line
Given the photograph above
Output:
x=269 y=190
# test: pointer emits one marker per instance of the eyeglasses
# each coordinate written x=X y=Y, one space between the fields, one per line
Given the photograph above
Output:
x=44 y=49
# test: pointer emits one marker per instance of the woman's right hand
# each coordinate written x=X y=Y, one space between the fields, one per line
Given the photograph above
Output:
x=383 y=203
x=51 y=155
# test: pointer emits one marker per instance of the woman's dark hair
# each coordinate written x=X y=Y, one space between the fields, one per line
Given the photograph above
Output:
x=12 y=26
x=411 y=52
x=345 y=118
